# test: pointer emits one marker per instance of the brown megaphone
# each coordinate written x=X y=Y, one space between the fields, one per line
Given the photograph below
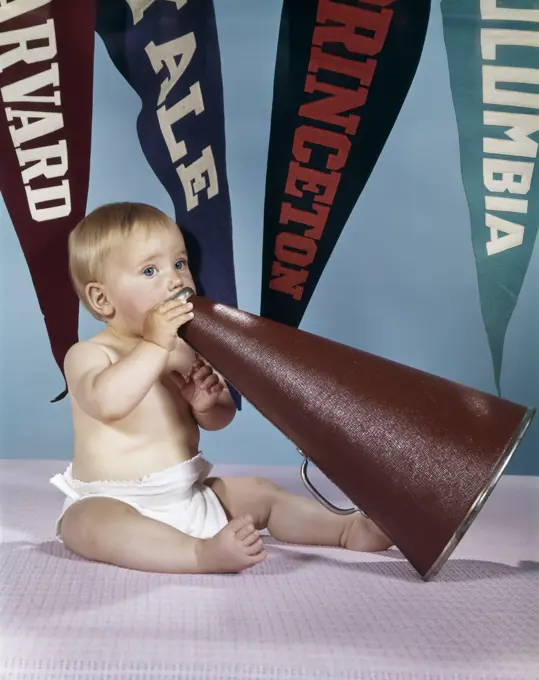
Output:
x=416 y=453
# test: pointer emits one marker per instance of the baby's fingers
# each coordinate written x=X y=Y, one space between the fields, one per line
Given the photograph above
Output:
x=201 y=374
x=178 y=378
x=210 y=383
x=179 y=310
x=166 y=305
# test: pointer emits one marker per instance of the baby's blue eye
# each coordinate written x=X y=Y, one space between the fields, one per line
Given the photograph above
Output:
x=149 y=271
x=180 y=264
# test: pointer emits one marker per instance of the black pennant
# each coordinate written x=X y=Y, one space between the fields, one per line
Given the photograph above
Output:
x=342 y=73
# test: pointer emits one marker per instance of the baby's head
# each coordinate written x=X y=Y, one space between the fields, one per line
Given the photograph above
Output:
x=125 y=258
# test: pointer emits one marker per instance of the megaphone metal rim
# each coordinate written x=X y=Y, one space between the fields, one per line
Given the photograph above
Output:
x=183 y=294
x=481 y=497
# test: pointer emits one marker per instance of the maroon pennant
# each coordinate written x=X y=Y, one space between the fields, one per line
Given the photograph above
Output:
x=46 y=79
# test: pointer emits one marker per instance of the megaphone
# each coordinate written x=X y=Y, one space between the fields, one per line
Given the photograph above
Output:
x=417 y=453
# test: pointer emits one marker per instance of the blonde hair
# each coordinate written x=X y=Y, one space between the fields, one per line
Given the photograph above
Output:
x=94 y=237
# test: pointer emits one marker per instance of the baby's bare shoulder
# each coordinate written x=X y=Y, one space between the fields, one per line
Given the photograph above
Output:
x=86 y=355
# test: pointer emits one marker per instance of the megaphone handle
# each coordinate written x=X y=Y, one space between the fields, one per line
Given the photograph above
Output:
x=318 y=495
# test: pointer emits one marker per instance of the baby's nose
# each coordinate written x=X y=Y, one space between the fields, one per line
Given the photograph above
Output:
x=176 y=280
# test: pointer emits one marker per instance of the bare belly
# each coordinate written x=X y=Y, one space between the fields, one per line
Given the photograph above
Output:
x=113 y=464
x=159 y=433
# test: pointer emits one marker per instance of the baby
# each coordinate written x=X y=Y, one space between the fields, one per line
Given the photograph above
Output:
x=138 y=492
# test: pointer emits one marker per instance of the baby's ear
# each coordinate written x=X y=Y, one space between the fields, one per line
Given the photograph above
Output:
x=98 y=300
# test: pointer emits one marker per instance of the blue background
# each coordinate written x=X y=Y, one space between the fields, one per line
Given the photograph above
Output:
x=401 y=282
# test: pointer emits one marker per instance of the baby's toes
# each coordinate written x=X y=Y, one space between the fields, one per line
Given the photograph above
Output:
x=251 y=538
x=243 y=527
x=245 y=532
x=254 y=548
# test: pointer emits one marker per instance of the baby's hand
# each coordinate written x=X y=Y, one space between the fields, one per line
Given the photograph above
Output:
x=162 y=323
x=201 y=388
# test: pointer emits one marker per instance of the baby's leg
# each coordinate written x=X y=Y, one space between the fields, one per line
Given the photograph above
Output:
x=107 y=530
x=295 y=519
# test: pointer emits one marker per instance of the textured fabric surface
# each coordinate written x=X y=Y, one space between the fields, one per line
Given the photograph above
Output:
x=304 y=613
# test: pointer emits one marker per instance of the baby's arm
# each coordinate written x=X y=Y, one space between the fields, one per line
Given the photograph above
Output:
x=110 y=392
x=107 y=391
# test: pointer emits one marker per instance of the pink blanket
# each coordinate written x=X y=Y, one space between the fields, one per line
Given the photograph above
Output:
x=305 y=613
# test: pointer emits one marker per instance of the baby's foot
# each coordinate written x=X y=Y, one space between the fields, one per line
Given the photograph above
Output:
x=236 y=547
x=363 y=535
